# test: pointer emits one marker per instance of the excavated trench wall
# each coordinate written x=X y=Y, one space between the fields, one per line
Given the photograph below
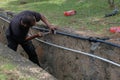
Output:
x=67 y=65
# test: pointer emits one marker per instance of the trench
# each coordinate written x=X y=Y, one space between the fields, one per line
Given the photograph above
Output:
x=97 y=58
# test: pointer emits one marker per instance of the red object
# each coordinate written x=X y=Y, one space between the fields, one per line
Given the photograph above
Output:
x=69 y=13
x=115 y=29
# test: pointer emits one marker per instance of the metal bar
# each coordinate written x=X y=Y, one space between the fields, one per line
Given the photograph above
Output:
x=77 y=51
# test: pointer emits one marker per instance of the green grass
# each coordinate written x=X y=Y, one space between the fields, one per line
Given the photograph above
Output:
x=9 y=71
x=89 y=15
x=7 y=66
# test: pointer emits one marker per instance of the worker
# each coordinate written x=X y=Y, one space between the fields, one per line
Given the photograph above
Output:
x=17 y=32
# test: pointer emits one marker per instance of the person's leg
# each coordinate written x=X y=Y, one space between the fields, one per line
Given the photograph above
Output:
x=30 y=50
x=11 y=43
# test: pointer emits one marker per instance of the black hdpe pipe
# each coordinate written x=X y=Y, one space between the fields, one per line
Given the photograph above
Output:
x=74 y=36
x=61 y=33
x=91 y=39
x=4 y=17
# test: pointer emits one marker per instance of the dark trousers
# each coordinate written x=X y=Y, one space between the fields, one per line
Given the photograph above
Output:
x=27 y=46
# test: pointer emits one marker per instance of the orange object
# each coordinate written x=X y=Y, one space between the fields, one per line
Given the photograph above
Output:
x=69 y=13
x=115 y=29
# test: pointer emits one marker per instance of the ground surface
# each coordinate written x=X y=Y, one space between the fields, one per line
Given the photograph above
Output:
x=15 y=67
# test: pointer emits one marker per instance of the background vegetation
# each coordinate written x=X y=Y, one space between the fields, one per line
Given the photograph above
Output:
x=90 y=13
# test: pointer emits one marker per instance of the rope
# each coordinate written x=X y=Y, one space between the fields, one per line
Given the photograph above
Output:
x=80 y=52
